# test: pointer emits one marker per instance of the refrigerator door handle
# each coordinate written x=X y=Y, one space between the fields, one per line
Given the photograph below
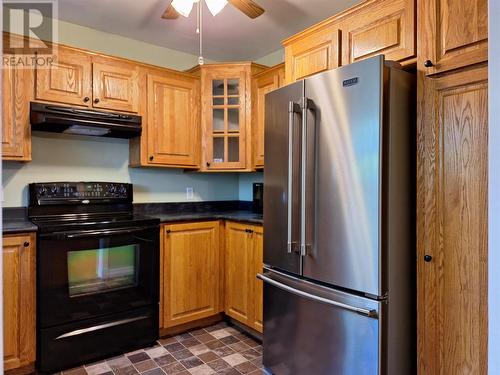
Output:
x=357 y=310
x=293 y=108
x=306 y=105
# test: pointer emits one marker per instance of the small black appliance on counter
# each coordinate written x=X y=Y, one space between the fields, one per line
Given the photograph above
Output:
x=97 y=273
x=258 y=197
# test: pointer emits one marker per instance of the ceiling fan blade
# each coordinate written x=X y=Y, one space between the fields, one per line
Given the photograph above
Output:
x=249 y=7
x=170 y=13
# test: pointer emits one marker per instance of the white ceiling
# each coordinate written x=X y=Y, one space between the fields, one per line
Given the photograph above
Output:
x=228 y=36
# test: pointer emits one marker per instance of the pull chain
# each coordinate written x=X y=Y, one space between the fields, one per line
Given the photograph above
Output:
x=200 y=32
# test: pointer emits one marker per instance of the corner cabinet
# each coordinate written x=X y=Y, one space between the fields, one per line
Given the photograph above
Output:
x=190 y=272
x=171 y=129
x=452 y=34
x=226 y=115
x=244 y=259
x=263 y=83
x=19 y=306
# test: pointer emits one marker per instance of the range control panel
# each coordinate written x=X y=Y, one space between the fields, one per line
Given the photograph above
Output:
x=80 y=192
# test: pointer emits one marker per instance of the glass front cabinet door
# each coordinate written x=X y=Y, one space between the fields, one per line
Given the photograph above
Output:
x=226 y=116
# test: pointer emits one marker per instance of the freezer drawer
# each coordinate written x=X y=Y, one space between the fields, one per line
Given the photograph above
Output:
x=310 y=329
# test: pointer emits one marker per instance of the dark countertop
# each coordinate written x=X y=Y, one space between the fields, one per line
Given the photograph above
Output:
x=15 y=220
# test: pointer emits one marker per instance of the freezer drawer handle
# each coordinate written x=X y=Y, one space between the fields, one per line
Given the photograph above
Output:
x=293 y=108
x=82 y=331
x=358 y=310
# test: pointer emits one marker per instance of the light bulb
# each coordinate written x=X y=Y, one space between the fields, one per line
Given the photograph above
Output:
x=183 y=7
x=215 y=6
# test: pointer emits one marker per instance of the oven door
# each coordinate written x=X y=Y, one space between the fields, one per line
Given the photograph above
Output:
x=91 y=273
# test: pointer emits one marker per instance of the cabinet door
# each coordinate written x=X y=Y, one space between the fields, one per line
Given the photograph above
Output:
x=173 y=121
x=225 y=118
x=262 y=84
x=238 y=270
x=452 y=223
x=452 y=33
x=68 y=81
x=19 y=300
x=312 y=53
x=16 y=130
x=381 y=27
x=191 y=272
x=258 y=291
x=115 y=86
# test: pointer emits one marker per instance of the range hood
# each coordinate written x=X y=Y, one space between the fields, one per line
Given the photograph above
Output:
x=70 y=120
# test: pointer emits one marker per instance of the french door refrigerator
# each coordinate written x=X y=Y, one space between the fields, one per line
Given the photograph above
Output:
x=339 y=273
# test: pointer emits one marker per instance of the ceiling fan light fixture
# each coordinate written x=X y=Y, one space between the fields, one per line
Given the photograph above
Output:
x=183 y=7
x=215 y=6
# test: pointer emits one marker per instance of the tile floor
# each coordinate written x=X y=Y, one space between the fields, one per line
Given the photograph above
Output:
x=218 y=349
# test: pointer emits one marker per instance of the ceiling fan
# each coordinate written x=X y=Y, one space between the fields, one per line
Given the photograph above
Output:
x=183 y=7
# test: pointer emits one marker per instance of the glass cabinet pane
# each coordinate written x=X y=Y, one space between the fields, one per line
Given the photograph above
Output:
x=218 y=120
x=218 y=101
x=233 y=148
x=233 y=119
x=233 y=86
x=233 y=101
x=218 y=87
x=218 y=150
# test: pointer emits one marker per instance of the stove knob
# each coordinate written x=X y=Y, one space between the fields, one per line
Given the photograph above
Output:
x=123 y=190
x=42 y=190
x=54 y=189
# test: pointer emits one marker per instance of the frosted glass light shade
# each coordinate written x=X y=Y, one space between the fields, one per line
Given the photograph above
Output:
x=215 y=6
x=183 y=7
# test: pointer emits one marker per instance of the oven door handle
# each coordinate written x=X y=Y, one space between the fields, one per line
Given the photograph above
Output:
x=105 y=232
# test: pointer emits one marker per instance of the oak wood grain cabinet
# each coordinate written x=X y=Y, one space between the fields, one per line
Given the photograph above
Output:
x=19 y=304
x=83 y=79
x=452 y=222
x=380 y=27
x=452 y=34
x=243 y=259
x=226 y=115
x=190 y=272
x=312 y=51
x=171 y=129
x=17 y=86
x=263 y=83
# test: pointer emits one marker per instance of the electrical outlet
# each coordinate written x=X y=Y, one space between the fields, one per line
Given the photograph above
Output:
x=189 y=193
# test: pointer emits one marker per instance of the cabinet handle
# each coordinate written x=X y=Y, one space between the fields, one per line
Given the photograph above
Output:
x=26 y=244
x=168 y=231
x=428 y=63
x=427 y=258
x=249 y=230
x=96 y=100
x=86 y=99
x=151 y=158
x=208 y=164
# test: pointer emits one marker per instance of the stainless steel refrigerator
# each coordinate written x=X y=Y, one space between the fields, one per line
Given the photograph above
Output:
x=339 y=274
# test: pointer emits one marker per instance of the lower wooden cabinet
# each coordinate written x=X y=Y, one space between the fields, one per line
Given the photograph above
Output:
x=19 y=306
x=190 y=272
x=243 y=259
x=452 y=228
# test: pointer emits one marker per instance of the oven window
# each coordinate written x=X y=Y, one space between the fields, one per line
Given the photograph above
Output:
x=102 y=270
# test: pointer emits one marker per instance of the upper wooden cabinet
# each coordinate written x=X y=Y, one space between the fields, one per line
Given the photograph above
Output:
x=115 y=86
x=226 y=115
x=244 y=259
x=190 y=272
x=82 y=79
x=314 y=50
x=19 y=308
x=17 y=86
x=172 y=130
x=379 y=27
x=452 y=34
x=68 y=80
x=370 y=28
x=452 y=225
x=263 y=83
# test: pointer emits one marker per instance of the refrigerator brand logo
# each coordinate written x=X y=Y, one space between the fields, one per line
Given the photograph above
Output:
x=350 y=81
